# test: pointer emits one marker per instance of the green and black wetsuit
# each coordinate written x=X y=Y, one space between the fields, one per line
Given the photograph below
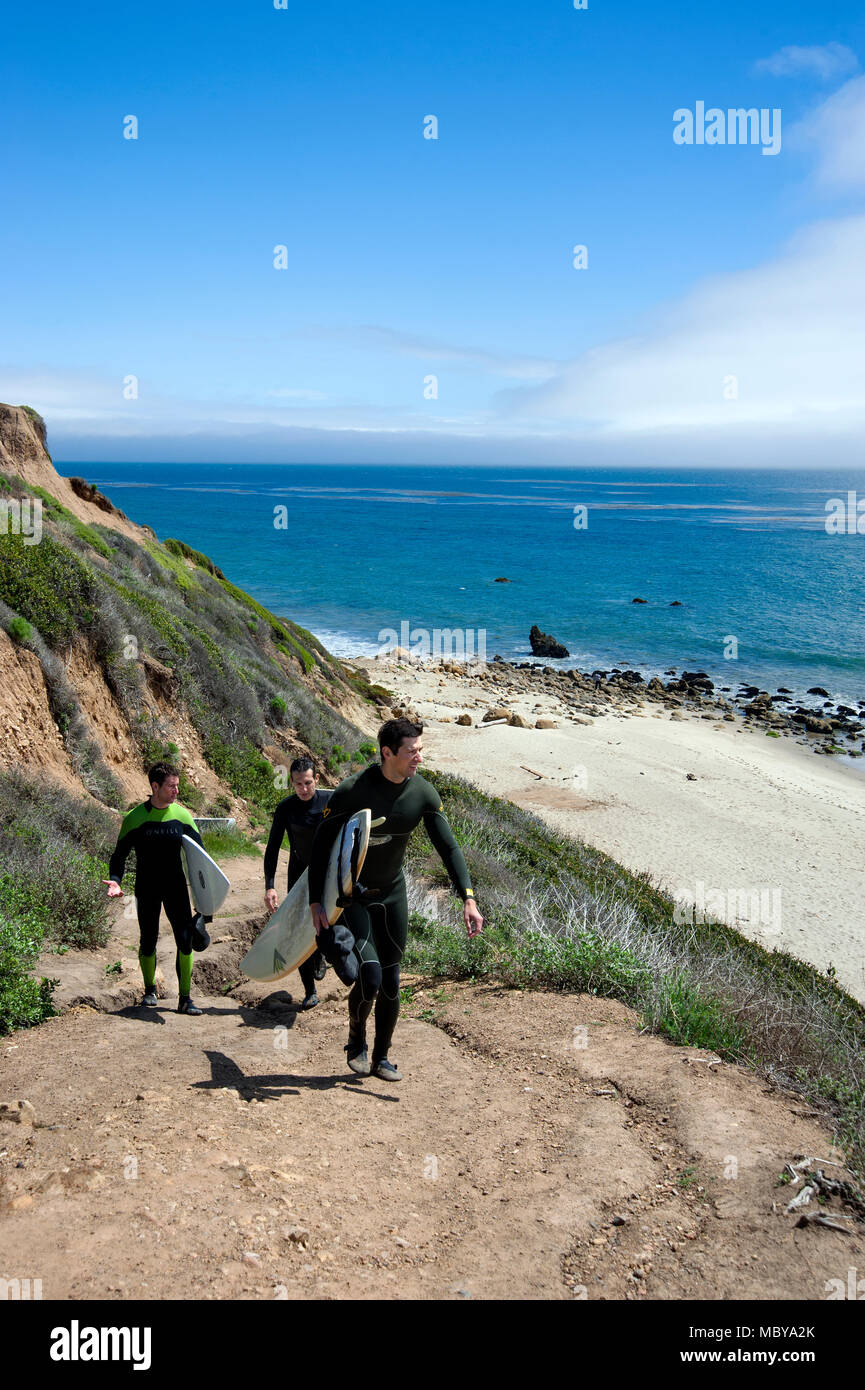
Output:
x=380 y=926
x=155 y=836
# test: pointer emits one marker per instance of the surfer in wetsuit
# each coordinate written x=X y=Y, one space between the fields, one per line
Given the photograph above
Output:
x=154 y=830
x=298 y=817
x=394 y=790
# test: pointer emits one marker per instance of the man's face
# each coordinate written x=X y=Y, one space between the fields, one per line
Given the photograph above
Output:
x=304 y=784
x=406 y=762
x=167 y=793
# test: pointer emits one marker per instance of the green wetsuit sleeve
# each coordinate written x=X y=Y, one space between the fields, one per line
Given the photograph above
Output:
x=344 y=801
x=181 y=813
x=444 y=842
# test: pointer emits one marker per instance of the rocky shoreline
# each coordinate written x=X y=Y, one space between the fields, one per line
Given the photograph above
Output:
x=828 y=728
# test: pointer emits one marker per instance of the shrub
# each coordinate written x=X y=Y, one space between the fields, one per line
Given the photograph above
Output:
x=690 y=1015
x=226 y=843
x=24 y=1002
x=49 y=586
x=53 y=851
x=186 y=552
x=20 y=631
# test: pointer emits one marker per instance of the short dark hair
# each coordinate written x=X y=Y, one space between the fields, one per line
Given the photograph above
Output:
x=159 y=771
x=303 y=764
x=396 y=731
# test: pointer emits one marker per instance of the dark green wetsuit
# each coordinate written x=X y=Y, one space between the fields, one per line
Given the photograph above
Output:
x=155 y=836
x=380 y=926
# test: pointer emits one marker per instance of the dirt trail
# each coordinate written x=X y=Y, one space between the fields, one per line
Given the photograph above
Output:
x=234 y=1155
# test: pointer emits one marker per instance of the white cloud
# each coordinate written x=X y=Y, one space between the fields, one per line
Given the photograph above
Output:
x=835 y=130
x=296 y=393
x=433 y=351
x=791 y=332
x=824 y=61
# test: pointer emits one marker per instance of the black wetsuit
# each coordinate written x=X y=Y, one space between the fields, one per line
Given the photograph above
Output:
x=380 y=925
x=299 y=820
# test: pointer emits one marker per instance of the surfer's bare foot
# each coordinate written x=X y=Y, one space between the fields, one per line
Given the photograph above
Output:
x=186 y=1006
x=386 y=1070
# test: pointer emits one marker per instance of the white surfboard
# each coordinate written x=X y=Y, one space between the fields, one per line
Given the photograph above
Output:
x=289 y=937
x=207 y=881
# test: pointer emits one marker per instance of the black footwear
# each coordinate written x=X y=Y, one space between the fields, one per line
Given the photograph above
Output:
x=150 y=998
x=200 y=934
x=357 y=1057
x=320 y=968
x=386 y=1070
x=186 y=1006
x=310 y=1001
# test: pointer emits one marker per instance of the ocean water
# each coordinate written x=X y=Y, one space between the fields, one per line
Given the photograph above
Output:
x=767 y=595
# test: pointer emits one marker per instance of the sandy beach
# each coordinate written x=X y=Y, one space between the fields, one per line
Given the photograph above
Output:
x=759 y=831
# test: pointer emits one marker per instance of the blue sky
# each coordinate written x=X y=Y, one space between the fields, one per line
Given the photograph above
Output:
x=410 y=257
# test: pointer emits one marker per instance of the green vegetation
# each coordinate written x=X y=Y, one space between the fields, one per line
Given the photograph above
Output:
x=49 y=585
x=688 y=1178
x=375 y=694
x=186 y=552
x=34 y=415
x=20 y=631
x=687 y=1014
x=228 y=843
x=24 y=1002
x=528 y=959
x=562 y=915
x=68 y=521
x=338 y=756
x=54 y=849
x=130 y=602
x=245 y=769
x=163 y=622
x=169 y=560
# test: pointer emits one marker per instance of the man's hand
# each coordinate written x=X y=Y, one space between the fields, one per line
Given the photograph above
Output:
x=114 y=889
x=271 y=900
x=472 y=917
x=319 y=918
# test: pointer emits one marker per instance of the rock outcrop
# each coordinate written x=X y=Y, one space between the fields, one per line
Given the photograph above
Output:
x=544 y=645
x=23 y=452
